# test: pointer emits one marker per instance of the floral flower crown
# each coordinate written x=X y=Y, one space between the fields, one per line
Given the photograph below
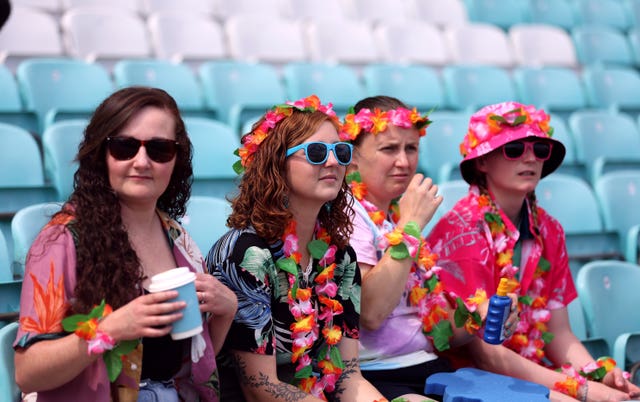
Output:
x=251 y=141
x=493 y=120
x=376 y=121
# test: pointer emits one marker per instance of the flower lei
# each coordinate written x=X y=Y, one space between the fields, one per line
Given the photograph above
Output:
x=482 y=127
x=305 y=329
x=426 y=292
x=251 y=141
x=376 y=121
x=86 y=327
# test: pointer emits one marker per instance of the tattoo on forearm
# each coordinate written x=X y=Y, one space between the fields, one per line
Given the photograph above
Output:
x=350 y=367
x=282 y=391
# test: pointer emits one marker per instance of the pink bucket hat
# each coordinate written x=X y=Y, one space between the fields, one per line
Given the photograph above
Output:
x=495 y=125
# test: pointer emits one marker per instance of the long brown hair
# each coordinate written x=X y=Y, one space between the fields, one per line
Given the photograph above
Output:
x=262 y=200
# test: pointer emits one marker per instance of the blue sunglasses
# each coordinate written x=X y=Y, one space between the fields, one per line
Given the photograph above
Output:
x=317 y=153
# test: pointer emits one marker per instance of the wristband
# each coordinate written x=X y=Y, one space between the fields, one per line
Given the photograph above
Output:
x=574 y=385
x=405 y=242
x=596 y=370
x=100 y=343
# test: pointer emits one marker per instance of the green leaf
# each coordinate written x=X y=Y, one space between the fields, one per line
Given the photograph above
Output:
x=126 y=347
x=336 y=358
x=544 y=264
x=547 y=337
x=526 y=300
x=354 y=176
x=304 y=373
x=461 y=314
x=519 y=120
x=114 y=364
x=287 y=265
x=70 y=324
x=317 y=248
x=412 y=229
x=432 y=282
x=237 y=167
x=498 y=118
x=441 y=333
x=399 y=251
x=550 y=132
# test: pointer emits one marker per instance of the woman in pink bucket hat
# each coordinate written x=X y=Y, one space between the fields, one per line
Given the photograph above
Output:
x=499 y=231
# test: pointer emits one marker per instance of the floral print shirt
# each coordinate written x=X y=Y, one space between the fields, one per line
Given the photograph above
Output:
x=47 y=289
x=245 y=263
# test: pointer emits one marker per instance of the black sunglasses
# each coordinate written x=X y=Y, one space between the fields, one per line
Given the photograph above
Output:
x=317 y=153
x=125 y=148
x=515 y=149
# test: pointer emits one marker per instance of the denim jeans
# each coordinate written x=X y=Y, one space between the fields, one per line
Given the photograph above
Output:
x=157 y=391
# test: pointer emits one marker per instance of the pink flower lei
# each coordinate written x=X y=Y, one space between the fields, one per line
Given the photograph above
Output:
x=377 y=121
x=425 y=289
x=251 y=141
x=305 y=329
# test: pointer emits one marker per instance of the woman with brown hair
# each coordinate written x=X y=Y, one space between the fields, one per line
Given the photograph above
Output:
x=96 y=257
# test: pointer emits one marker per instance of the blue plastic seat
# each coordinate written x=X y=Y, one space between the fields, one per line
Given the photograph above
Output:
x=213 y=146
x=554 y=89
x=11 y=109
x=9 y=390
x=451 y=192
x=570 y=164
x=10 y=287
x=634 y=41
x=440 y=148
x=613 y=88
x=595 y=346
x=611 y=13
x=471 y=87
x=236 y=90
x=608 y=291
x=626 y=350
x=598 y=44
x=60 y=146
x=416 y=85
x=553 y=12
x=335 y=83
x=175 y=78
x=500 y=13
x=62 y=88
x=206 y=220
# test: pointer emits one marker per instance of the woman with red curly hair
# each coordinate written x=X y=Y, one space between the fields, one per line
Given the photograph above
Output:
x=95 y=259
x=287 y=258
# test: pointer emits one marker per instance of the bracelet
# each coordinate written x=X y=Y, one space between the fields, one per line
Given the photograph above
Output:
x=467 y=314
x=585 y=390
x=574 y=385
x=100 y=343
x=597 y=369
x=404 y=243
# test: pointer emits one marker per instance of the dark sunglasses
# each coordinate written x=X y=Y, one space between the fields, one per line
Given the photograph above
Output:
x=317 y=153
x=125 y=148
x=515 y=149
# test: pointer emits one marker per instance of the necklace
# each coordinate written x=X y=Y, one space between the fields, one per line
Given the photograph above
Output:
x=309 y=317
x=425 y=291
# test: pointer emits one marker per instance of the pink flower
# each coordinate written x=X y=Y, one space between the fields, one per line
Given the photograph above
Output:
x=329 y=288
x=329 y=256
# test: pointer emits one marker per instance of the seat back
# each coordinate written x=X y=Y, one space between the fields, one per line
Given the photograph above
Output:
x=60 y=143
x=597 y=44
x=479 y=43
x=379 y=11
x=411 y=41
x=25 y=226
x=550 y=88
x=608 y=291
x=326 y=41
x=451 y=192
x=309 y=10
x=200 y=7
x=12 y=110
x=542 y=45
x=9 y=390
x=619 y=196
x=206 y=220
x=54 y=87
x=471 y=87
x=557 y=13
x=613 y=88
x=416 y=85
x=501 y=13
x=20 y=160
x=439 y=149
x=443 y=13
x=610 y=13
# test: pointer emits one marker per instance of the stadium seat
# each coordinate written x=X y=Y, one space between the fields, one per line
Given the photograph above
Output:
x=60 y=143
x=470 y=87
x=62 y=88
x=570 y=164
x=224 y=9
x=626 y=350
x=451 y=192
x=540 y=45
x=379 y=11
x=440 y=148
x=411 y=41
x=10 y=287
x=598 y=44
x=327 y=44
x=19 y=40
x=605 y=141
x=634 y=11
x=104 y=34
x=236 y=91
x=613 y=88
x=213 y=146
x=12 y=110
x=277 y=41
x=595 y=346
x=500 y=13
x=443 y=13
x=49 y=6
x=9 y=390
x=25 y=226
x=608 y=291
x=479 y=43
x=309 y=10
x=175 y=78
x=558 y=13
x=206 y=219
x=127 y=5
x=611 y=13
x=201 y=7
x=634 y=41
x=335 y=83
x=186 y=37
x=554 y=89
x=416 y=85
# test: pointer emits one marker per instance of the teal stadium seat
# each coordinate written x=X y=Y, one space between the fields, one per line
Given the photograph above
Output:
x=235 y=91
x=608 y=291
x=602 y=45
x=613 y=88
x=451 y=192
x=570 y=164
x=56 y=89
x=416 y=85
x=501 y=13
x=9 y=390
x=558 y=13
x=634 y=41
x=12 y=110
x=626 y=351
x=10 y=286
x=213 y=146
x=469 y=88
x=554 y=89
x=610 y=13
x=206 y=220
x=335 y=83
x=60 y=146
x=596 y=346
x=440 y=148
x=175 y=78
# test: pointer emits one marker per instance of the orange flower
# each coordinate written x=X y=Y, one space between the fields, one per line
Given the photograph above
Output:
x=416 y=294
x=494 y=125
x=379 y=120
x=539 y=302
x=304 y=325
x=395 y=237
x=306 y=384
x=358 y=189
x=326 y=274
x=334 y=305
x=87 y=329
x=350 y=128
x=505 y=258
x=433 y=317
x=302 y=294
x=332 y=336
x=50 y=306
x=377 y=217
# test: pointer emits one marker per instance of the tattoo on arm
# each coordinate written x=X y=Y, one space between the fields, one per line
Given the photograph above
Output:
x=279 y=390
x=350 y=367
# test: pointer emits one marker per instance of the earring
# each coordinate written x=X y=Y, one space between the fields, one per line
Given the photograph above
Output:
x=327 y=206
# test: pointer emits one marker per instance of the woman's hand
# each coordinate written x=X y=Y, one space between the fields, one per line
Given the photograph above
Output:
x=148 y=316
x=615 y=379
x=419 y=202
x=214 y=297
